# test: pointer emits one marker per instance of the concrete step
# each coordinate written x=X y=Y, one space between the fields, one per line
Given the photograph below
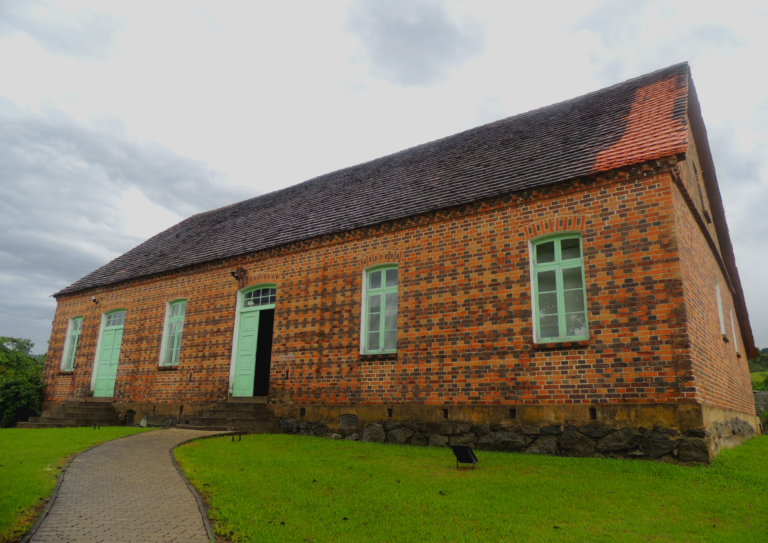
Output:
x=89 y=406
x=60 y=423
x=89 y=416
x=247 y=399
x=272 y=426
x=238 y=414
x=83 y=410
x=205 y=428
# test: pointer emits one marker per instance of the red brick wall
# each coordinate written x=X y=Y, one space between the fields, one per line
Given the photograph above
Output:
x=721 y=378
x=465 y=330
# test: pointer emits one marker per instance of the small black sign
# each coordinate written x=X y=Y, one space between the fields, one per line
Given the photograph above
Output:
x=465 y=455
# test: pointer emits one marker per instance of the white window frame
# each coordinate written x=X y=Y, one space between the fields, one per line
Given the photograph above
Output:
x=166 y=322
x=68 y=341
x=720 y=308
x=733 y=332
x=364 y=306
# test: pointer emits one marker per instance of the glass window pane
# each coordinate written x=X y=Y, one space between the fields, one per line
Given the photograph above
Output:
x=168 y=354
x=373 y=342
x=375 y=279
x=177 y=350
x=374 y=303
x=76 y=324
x=374 y=322
x=575 y=324
x=570 y=248
x=272 y=299
x=391 y=302
x=547 y=281
x=548 y=327
x=391 y=280
x=182 y=309
x=574 y=301
x=390 y=321
x=548 y=304
x=390 y=340
x=545 y=252
x=174 y=310
x=572 y=278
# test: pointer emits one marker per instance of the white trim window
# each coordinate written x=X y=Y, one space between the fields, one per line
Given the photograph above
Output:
x=173 y=331
x=70 y=344
x=720 y=308
x=733 y=332
x=380 y=308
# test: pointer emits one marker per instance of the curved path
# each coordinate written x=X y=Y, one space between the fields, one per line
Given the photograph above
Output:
x=126 y=490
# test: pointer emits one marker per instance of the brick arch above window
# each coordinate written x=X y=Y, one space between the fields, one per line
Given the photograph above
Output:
x=565 y=223
x=383 y=257
x=177 y=294
x=252 y=280
x=110 y=305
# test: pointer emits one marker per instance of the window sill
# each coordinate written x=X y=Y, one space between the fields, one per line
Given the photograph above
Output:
x=167 y=368
x=725 y=339
x=66 y=372
x=738 y=355
x=384 y=356
x=561 y=344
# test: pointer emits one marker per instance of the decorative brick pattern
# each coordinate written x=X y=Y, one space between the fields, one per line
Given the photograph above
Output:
x=465 y=324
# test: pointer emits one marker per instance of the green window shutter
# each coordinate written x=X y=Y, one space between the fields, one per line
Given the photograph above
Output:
x=74 y=339
x=178 y=311
x=560 y=308
x=380 y=332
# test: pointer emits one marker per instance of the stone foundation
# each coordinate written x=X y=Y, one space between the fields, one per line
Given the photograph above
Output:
x=683 y=433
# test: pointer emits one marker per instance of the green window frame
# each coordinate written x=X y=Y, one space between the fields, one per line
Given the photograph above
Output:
x=73 y=340
x=380 y=309
x=260 y=297
x=177 y=311
x=559 y=289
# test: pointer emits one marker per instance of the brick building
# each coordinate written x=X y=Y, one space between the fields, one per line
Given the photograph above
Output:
x=561 y=281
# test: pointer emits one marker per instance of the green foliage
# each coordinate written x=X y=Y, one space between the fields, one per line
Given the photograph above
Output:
x=764 y=415
x=31 y=461
x=273 y=488
x=760 y=385
x=760 y=363
x=21 y=381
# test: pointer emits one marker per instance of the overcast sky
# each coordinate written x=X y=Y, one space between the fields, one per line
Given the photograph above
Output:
x=119 y=119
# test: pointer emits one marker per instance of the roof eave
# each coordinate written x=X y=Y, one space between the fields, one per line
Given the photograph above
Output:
x=711 y=185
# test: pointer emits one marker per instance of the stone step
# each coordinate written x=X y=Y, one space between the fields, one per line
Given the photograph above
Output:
x=84 y=411
x=251 y=425
x=85 y=416
x=205 y=428
x=237 y=406
x=88 y=406
x=247 y=399
x=238 y=414
x=61 y=423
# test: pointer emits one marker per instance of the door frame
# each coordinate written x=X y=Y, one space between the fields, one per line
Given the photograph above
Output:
x=236 y=332
x=102 y=325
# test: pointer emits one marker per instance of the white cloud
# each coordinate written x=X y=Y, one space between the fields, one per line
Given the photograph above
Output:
x=245 y=98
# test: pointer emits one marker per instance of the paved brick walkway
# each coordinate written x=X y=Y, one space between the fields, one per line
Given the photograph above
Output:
x=126 y=490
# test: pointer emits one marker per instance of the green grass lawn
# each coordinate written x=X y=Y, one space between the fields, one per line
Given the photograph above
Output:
x=293 y=488
x=30 y=462
x=758 y=377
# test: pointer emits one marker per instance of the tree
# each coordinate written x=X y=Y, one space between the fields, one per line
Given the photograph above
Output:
x=21 y=381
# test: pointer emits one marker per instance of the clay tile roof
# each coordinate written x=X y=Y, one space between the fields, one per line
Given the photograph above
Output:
x=638 y=120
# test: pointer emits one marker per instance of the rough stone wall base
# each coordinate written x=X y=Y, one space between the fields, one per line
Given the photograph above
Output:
x=679 y=433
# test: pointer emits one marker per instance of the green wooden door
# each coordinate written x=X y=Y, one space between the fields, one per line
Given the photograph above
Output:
x=245 y=363
x=111 y=341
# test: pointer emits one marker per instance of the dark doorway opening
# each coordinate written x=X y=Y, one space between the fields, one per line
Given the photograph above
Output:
x=263 y=352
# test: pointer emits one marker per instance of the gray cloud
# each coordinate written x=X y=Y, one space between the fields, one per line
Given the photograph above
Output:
x=413 y=43
x=61 y=183
x=618 y=23
x=84 y=34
